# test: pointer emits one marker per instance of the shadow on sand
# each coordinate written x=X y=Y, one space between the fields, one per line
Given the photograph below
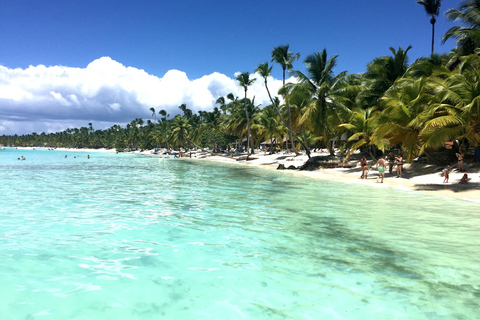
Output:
x=454 y=187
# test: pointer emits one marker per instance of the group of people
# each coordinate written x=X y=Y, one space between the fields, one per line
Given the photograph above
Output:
x=88 y=157
x=392 y=160
x=446 y=172
x=382 y=164
x=446 y=175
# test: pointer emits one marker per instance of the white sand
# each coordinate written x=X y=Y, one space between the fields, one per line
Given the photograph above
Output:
x=416 y=177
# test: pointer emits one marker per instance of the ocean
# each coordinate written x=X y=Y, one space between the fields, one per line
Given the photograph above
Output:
x=122 y=236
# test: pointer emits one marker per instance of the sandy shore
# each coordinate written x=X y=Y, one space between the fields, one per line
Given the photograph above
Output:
x=417 y=177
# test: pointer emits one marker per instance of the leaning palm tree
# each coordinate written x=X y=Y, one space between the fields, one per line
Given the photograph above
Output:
x=245 y=81
x=432 y=8
x=285 y=58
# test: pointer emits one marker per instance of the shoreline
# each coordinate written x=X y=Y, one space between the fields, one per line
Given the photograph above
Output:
x=417 y=177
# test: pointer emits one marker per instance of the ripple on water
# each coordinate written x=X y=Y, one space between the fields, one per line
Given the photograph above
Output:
x=126 y=237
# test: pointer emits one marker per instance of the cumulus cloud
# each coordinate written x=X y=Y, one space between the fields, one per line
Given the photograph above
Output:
x=51 y=99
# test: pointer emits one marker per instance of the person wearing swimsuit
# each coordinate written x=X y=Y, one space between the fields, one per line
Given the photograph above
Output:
x=364 y=165
x=381 y=168
x=399 y=160
x=460 y=156
x=446 y=173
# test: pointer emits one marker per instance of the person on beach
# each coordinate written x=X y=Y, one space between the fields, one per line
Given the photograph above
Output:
x=460 y=157
x=391 y=161
x=381 y=168
x=446 y=173
x=464 y=179
x=399 y=161
x=364 y=165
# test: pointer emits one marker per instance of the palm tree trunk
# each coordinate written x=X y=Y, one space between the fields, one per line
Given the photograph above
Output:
x=432 y=21
x=289 y=113
x=434 y=159
x=370 y=152
x=307 y=150
x=193 y=143
x=248 y=124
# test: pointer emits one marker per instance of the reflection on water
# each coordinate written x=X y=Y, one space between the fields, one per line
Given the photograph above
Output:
x=124 y=237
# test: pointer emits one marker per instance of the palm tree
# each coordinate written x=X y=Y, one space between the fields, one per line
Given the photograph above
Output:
x=245 y=81
x=468 y=36
x=381 y=74
x=405 y=115
x=456 y=107
x=164 y=115
x=223 y=105
x=181 y=131
x=432 y=8
x=285 y=58
x=187 y=113
x=362 y=126
x=154 y=114
x=435 y=65
x=268 y=125
x=265 y=71
x=329 y=98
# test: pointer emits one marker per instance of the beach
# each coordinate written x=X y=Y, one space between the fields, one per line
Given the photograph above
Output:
x=417 y=177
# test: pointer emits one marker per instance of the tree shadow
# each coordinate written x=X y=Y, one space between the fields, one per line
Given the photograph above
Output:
x=455 y=187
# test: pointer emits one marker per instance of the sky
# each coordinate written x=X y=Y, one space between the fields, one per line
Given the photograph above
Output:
x=64 y=64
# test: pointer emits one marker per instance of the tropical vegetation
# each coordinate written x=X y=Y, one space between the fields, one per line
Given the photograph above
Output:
x=394 y=106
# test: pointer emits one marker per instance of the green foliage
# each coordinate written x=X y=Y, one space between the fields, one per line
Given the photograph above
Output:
x=212 y=139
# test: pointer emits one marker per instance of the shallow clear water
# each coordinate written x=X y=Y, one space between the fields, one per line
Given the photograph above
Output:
x=131 y=237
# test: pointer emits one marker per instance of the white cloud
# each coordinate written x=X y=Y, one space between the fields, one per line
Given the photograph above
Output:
x=50 y=99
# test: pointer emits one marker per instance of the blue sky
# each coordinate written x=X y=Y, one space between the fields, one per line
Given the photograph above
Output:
x=200 y=44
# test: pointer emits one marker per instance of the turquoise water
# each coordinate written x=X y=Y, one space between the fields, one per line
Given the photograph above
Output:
x=130 y=237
